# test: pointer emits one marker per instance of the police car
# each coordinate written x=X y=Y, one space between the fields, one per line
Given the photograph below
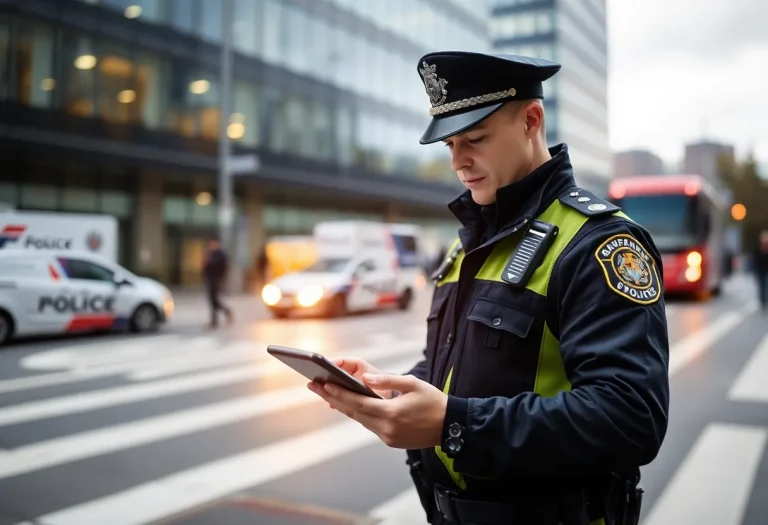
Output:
x=359 y=267
x=71 y=291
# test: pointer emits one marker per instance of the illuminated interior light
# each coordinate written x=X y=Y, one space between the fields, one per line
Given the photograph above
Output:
x=126 y=96
x=132 y=11
x=85 y=62
x=198 y=87
x=204 y=198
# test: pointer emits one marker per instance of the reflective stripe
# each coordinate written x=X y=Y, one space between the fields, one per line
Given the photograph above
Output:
x=551 y=378
x=494 y=265
x=448 y=462
x=569 y=222
x=453 y=273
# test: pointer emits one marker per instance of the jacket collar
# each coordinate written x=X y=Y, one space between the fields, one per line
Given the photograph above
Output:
x=522 y=199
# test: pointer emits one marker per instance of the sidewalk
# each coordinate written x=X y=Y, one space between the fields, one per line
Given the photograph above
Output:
x=191 y=307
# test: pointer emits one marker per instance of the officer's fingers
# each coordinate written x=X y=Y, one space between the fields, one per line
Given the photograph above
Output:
x=357 y=402
x=347 y=364
x=318 y=389
x=402 y=384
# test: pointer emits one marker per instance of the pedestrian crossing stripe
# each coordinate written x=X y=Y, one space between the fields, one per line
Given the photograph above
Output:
x=185 y=488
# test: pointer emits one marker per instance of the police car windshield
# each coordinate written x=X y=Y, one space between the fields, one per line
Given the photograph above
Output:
x=670 y=219
x=328 y=266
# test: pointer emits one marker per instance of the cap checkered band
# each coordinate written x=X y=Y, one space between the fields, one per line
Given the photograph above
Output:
x=472 y=101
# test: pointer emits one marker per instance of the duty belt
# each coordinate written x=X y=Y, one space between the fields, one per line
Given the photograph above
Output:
x=559 y=511
x=459 y=511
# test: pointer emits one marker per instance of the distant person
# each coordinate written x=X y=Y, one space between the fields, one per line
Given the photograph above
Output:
x=760 y=266
x=262 y=266
x=215 y=274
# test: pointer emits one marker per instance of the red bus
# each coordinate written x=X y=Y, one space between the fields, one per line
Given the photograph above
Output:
x=686 y=217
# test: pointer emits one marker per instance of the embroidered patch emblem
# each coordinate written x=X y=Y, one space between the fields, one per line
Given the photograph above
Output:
x=629 y=269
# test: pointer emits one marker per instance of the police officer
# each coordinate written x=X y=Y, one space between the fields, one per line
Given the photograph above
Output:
x=544 y=383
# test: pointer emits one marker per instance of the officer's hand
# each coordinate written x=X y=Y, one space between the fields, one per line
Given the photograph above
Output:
x=412 y=420
x=357 y=367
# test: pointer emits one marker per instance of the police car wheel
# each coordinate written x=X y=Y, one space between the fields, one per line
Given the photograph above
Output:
x=145 y=319
x=6 y=326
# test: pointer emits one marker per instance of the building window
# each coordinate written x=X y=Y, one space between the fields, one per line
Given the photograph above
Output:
x=78 y=68
x=210 y=19
x=345 y=134
x=183 y=14
x=9 y=193
x=149 y=82
x=295 y=40
x=34 y=64
x=244 y=122
x=320 y=132
x=116 y=203
x=37 y=192
x=79 y=193
x=247 y=26
x=182 y=118
x=175 y=209
x=273 y=13
x=205 y=99
x=118 y=99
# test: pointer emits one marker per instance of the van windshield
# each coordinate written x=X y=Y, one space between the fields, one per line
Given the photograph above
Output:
x=328 y=266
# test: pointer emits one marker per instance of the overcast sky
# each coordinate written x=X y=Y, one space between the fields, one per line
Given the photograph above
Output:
x=683 y=69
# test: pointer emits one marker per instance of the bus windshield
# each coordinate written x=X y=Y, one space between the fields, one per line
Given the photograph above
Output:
x=670 y=219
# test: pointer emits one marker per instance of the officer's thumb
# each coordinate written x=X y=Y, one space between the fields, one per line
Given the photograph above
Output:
x=402 y=384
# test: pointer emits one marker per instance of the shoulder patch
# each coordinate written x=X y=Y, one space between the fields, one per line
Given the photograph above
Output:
x=587 y=203
x=629 y=269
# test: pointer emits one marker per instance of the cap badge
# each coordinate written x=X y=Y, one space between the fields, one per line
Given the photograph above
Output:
x=435 y=86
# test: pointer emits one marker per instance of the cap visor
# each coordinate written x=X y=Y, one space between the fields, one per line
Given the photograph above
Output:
x=442 y=128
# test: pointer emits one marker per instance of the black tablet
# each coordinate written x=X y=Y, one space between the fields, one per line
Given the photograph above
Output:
x=316 y=367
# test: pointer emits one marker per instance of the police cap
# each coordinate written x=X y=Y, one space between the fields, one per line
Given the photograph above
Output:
x=465 y=88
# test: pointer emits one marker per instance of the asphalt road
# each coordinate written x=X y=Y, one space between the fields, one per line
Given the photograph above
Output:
x=192 y=427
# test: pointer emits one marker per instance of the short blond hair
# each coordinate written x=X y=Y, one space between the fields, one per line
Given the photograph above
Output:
x=516 y=105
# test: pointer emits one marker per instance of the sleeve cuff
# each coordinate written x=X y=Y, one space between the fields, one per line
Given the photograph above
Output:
x=455 y=412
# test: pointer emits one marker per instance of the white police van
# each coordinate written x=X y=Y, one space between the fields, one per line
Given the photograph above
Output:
x=359 y=267
x=54 y=231
x=56 y=292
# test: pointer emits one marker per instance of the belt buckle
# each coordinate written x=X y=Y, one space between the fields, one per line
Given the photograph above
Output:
x=444 y=501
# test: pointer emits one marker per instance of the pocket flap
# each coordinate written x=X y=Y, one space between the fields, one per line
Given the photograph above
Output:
x=436 y=310
x=501 y=317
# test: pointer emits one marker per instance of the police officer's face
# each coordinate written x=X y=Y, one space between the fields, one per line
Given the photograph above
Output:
x=498 y=151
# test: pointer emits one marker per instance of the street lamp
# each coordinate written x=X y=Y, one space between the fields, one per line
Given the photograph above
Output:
x=738 y=211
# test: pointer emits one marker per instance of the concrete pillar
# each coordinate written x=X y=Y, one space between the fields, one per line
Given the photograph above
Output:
x=149 y=237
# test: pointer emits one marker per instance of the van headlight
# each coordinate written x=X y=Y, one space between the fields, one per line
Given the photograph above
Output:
x=310 y=295
x=271 y=295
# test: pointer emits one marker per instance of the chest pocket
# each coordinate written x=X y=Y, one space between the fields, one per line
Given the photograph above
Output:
x=435 y=322
x=502 y=350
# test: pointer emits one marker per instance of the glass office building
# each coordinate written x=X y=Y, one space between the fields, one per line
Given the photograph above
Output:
x=113 y=106
x=572 y=33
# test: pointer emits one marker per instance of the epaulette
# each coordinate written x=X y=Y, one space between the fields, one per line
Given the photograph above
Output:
x=587 y=202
